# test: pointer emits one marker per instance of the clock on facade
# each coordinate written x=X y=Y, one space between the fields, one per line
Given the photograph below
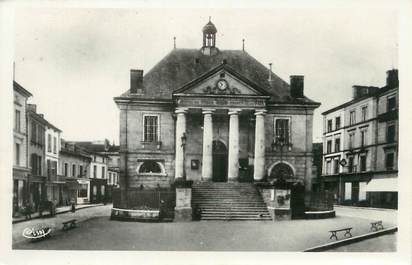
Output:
x=222 y=84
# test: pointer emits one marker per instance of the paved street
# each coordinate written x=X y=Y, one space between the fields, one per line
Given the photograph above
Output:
x=96 y=232
x=386 y=243
x=385 y=215
x=56 y=222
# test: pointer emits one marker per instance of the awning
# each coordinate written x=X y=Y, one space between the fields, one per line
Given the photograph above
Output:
x=384 y=184
x=83 y=181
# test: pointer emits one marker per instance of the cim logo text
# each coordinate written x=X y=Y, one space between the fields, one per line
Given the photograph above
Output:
x=33 y=233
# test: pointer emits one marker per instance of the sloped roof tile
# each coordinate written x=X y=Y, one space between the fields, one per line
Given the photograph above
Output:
x=181 y=66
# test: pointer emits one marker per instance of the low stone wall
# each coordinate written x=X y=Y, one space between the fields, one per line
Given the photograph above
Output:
x=135 y=215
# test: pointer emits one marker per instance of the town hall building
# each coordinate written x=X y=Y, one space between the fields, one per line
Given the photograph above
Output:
x=214 y=115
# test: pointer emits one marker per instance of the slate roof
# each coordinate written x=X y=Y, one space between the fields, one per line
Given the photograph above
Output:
x=181 y=66
x=96 y=148
x=22 y=90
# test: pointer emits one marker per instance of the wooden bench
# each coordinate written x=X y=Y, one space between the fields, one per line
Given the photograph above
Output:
x=334 y=232
x=375 y=226
x=69 y=224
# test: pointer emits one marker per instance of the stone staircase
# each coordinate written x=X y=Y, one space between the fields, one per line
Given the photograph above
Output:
x=229 y=201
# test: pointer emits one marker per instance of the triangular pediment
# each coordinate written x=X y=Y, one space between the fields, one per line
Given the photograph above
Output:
x=221 y=80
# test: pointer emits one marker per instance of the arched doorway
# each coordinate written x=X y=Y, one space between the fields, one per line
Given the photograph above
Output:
x=281 y=171
x=219 y=162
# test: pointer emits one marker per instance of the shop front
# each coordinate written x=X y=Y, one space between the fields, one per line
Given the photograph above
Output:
x=83 y=195
x=98 y=190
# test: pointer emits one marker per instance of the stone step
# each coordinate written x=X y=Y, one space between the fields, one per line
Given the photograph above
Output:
x=261 y=208
x=222 y=211
x=229 y=201
x=253 y=214
x=216 y=218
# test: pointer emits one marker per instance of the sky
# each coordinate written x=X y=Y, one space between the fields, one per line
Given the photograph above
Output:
x=74 y=61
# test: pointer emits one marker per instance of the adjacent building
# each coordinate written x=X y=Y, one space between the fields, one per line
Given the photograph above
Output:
x=360 y=146
x=21 y=168
x=55 y=183
x=75 y=168
x=213 y=115
x=103 y=168
x=36 y=128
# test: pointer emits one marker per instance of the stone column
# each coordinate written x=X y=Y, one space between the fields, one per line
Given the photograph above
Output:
x=233 y=167
x=207 y=157
x=259 y=167
x=180 y=130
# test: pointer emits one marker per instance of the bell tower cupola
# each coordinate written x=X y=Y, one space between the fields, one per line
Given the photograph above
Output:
x=209 y=39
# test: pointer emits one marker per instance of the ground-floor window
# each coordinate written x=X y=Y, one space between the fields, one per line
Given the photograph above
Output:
x=362 y=191
x=102 y=190
x=82 y=191
x=150 y=167
x=348 y=190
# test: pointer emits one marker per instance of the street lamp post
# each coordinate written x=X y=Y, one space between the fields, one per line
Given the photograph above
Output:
x=183 y=138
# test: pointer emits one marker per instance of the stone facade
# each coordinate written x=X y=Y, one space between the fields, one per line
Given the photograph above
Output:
x=21 y=170
x=55 y=183
x=37 y=153
x=74 y=168
x=215 y=116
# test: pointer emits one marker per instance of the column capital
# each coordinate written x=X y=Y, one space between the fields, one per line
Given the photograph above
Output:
x=260 y=112
x=208 y=111
x=234 y=111
x=181 y=110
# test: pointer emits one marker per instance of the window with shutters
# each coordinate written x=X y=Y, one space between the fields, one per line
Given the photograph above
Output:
x=351 y=140
x=329 y=125
x=55 y=145
x=364 y=113
x=17 y=120
x=329 y=147
x=352 y=117
x=66 y=168
x=363 y=163
x=49 y=143
x=391 y=103
x=390 y=133
x=389 y=160
x=335 y=166
x=337 y=123
x=33 y=137
x=337 y=144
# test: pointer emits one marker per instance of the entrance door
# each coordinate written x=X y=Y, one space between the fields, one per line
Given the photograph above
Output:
x=219 y=162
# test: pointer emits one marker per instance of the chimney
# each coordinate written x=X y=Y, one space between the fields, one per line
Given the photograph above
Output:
x=32 y=107
x=136 y=81
x=392 y=80
x=362 y=91
x=296 y=86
